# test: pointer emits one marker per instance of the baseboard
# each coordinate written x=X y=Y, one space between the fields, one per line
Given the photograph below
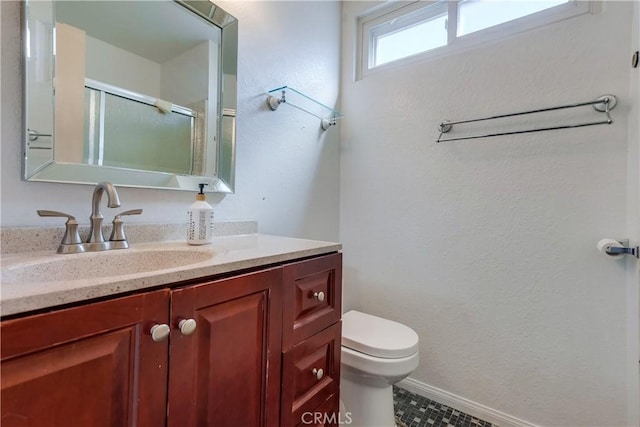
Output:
x=465 y=405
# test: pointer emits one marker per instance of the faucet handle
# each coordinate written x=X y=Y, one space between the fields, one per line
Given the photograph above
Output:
x=130 y=212
x=44 y=212
x=117 y=232
x=71 y=242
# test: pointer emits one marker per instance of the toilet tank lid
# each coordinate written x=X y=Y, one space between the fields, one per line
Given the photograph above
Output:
x=377 y=337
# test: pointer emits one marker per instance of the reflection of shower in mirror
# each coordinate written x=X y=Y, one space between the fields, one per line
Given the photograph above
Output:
x=129 y=130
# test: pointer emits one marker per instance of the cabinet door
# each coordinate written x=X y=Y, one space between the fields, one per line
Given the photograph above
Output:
x=227 y=372
x=94 y=365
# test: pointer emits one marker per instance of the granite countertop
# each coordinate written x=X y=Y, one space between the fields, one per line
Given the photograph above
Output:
x=20 y=293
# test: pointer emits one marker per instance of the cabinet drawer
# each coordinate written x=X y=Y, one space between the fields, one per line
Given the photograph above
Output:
x=304 y=389
x=312 y=297
x=326 y=415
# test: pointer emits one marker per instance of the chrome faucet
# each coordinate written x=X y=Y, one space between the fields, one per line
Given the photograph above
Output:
x=71 y=242
x=96 y=238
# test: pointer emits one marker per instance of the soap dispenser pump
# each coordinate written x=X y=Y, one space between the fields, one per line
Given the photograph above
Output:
x=200 y=231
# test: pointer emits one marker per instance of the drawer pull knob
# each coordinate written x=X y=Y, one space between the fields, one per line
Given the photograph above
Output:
x=319 y=296
x=318 y=373
x=160 y=332
x=187 y=326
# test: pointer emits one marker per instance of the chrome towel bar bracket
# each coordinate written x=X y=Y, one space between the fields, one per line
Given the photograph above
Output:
x=603 y=104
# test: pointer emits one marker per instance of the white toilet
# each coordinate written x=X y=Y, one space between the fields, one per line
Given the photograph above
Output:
x=376 y=353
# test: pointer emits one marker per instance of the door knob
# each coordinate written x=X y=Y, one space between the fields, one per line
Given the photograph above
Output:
x=319 y=296
x=160 y=332
x=187 y=326
x=616 y=249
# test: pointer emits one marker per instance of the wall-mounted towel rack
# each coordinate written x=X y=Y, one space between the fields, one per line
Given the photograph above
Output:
x=299 y=100
x=603 y=104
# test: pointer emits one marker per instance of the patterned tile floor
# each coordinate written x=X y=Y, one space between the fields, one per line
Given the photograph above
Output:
x=413 y=410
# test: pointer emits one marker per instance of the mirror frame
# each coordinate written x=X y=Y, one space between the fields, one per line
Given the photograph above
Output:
x=226 y=137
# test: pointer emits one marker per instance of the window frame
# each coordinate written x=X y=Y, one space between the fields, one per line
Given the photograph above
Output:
x=409 y=13
x=401 y=18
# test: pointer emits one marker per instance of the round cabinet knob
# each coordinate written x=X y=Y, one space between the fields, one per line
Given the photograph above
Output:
x=160 y=332
x=319 y=296
x=187 y=326
x=318 y=373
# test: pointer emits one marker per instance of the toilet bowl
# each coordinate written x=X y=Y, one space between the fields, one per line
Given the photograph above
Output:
x=376 y=353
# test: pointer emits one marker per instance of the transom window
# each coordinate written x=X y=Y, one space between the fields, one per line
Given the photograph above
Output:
x=428 y=27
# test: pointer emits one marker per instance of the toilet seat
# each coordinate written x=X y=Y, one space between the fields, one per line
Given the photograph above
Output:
x=383 y=370
x=377 y=337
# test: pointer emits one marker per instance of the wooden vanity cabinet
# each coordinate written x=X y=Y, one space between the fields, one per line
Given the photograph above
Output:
x=245 y=363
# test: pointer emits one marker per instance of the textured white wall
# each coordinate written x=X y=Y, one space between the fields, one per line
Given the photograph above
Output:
x=288 y=170
x=487 y=247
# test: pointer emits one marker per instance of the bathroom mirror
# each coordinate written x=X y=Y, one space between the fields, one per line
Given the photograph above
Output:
x=137 y=93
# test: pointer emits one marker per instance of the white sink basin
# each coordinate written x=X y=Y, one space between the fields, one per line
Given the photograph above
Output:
x=96 y=265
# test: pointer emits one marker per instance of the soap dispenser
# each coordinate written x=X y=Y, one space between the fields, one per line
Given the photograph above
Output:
x=200 y=231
